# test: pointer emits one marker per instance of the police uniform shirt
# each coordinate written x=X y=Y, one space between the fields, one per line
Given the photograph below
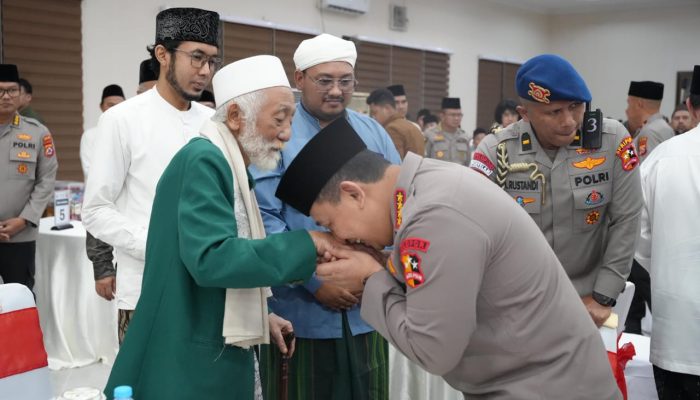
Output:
x=472 y=292
x=654 y=131
x=28 y=171
x=447 y=146
x=586 y=202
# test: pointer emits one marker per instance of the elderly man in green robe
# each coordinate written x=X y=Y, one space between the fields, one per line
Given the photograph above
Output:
x=204 y=300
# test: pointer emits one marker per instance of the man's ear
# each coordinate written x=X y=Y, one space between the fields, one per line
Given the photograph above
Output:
x=299 y=79
x=234 y=117
x=353 y=192
x=522 y=110
x=161 y=54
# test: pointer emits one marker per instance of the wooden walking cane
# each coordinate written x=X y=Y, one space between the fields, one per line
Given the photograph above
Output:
x=284 y=369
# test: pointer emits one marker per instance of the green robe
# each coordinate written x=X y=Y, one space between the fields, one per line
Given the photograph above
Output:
x=174 y=348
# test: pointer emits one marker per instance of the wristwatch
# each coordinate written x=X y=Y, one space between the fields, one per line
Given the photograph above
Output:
x=604 y=300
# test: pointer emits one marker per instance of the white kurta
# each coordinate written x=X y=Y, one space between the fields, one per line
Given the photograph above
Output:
x=669 y=248
x=87 y=146
x=138 y=138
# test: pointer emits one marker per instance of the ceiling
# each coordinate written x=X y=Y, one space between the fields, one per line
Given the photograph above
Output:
x=587 y=6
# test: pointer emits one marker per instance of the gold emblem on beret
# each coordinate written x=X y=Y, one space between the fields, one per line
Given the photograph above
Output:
x=538 y=93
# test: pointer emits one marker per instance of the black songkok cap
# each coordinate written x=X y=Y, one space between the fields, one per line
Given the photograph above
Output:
x=451 y=102
x=397 y=90
x=323 y=156
x=187 y=24
x=647 y=90
x=207 y=96
x=8 y=73
x=146 y=72
x=695 y=85
x=112 y=90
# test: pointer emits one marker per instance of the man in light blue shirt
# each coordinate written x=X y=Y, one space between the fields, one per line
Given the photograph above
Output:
x=338 y=356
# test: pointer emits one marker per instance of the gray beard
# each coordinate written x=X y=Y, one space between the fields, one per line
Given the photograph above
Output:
x=258 y=149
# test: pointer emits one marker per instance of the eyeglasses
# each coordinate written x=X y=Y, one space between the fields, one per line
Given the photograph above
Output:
x=346 y=85
x=14 y=92
x=198 y=60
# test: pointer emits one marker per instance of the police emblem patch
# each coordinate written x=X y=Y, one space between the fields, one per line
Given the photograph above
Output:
x=627 y=154
x=593 y=217
x=643 y=145
x=589 y=163
x=594 y=198
x=399 y=199
x=22 y=168
x=538 y=93
x=412 y=272
x=49 y=150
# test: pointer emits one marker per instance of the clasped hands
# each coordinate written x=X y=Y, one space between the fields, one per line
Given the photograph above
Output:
x=342 y=268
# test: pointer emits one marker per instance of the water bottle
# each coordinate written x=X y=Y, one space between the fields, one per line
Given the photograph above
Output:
x=123 y=393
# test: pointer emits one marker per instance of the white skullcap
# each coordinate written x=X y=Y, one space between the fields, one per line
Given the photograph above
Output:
x=248 y=75
x=322 y=49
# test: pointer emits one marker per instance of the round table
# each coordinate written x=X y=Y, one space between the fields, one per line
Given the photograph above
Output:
x=79 y=327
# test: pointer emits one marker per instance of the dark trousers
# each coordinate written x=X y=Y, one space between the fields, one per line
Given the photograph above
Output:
x=17 y=263
x=642 y=296
x=675 y=385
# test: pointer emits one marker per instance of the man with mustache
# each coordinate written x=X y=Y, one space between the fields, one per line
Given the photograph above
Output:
x=203 y=304
x=137 y=138
x=339 y=356
x=586 y=201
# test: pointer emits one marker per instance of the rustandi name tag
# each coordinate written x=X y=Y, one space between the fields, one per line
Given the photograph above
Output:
x=61 y=209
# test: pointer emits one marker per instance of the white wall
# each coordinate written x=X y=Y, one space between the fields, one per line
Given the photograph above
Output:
x=115 y=34
x=612 y=49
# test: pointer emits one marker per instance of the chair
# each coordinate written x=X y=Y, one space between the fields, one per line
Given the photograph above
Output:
x=24 y=373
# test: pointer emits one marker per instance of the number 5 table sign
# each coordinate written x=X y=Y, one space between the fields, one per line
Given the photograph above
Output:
x=61 y=206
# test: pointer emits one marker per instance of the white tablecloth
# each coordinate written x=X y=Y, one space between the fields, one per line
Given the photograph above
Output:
x=407 y=381
x=79 y=327
x=639 y=372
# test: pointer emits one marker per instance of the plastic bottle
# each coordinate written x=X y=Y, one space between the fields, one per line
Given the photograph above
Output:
x=123 y=393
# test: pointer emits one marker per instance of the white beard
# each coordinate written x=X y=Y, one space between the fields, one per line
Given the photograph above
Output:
x=259 y=151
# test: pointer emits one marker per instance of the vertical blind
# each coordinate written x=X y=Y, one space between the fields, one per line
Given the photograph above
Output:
x=43 y=38
x=496 y=83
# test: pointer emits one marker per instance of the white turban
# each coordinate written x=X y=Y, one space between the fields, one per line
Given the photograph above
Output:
x=322 y=49
x=248 y=75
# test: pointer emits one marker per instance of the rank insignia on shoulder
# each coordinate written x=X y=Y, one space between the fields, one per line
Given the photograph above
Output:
x=643 y=145
x=593 y=217
x=390 y=266
x=24 y=136
x=399 y=199
x=415 y=244
x=412 y=272
x=16 y=120
x=525 y=142
x=627 y=154
x=594 y=198
x=524 y=200
x=589 y=163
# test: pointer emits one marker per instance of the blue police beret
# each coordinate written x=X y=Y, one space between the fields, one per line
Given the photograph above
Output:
x=549 y=77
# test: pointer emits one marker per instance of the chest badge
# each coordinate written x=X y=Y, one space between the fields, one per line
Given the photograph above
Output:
x=22 y=168
x=593 y=217
x=24 y=155
x=589 y=163
x=594 y=198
